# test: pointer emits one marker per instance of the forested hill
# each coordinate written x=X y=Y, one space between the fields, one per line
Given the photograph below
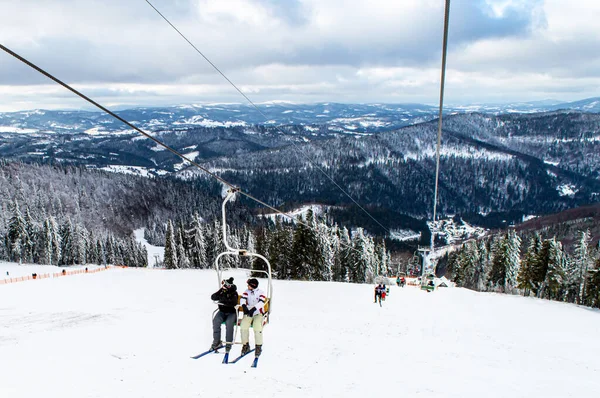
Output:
x=494 y=169
x=102 y=201
x=524 y=164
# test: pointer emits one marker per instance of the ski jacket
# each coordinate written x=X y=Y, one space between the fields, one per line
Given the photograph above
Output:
x=227 y=298
x=379 y=289
x=254 y=299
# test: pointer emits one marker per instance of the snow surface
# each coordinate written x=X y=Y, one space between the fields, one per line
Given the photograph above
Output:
x=567 y=190
x=133 y=170
x=12 y=270
x=131 y=333
x=404 y=234
x=12 y=129
x=154 y=252
x=301 y=211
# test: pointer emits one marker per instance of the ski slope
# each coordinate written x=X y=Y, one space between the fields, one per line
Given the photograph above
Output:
x=131 y=333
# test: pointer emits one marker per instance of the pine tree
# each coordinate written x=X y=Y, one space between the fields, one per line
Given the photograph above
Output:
x=592 y=291
x=305 y=255
x=582 y=262
x=31 y=233
x=198 y=244
x=182 y=259
x=454 y=270
x=325 y=264
x=170 y=259
x=469 y=263
x=66 y=238
x=526 y=275
x=91 y=252
x=280 y=247
x=80 y=244
x=513 y=259
x=47 y=243
x=361 y=264
x=556 y=271
x=382 y=259
x=541 y=269
x=101 y=252
x=483 y=264
x=109 y=248
x=16 y=236
x=344 y=258
x=497 y=277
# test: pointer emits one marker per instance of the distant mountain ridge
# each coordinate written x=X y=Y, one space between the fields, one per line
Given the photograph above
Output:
x=343 y=118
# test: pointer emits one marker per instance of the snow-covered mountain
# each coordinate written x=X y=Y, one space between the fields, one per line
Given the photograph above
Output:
x=525 y=163
x=343 y=118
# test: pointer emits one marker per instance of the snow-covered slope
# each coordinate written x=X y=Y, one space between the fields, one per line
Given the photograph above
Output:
x=131 y=333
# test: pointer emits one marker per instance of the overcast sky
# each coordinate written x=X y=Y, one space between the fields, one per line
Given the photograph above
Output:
x=122 y=53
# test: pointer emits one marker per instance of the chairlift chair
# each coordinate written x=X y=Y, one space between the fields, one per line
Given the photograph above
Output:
x=243 y=253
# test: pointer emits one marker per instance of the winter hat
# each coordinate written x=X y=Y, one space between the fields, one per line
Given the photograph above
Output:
x=228 y=282
x=253 y=283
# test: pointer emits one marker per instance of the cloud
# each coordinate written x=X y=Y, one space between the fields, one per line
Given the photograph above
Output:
x=302 y=50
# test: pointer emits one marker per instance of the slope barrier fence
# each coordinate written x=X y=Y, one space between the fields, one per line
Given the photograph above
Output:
x=64 y=272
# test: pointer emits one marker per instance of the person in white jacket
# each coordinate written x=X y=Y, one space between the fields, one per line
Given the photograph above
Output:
x=253 y=304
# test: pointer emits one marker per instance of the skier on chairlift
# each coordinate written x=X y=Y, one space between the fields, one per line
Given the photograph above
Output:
x=227 y=298
x=253 y=305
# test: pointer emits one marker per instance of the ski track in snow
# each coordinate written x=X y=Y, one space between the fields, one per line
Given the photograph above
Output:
x=131 y=333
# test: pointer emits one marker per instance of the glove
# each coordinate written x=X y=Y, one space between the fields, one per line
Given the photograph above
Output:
x=251 y=312
x=245 y=309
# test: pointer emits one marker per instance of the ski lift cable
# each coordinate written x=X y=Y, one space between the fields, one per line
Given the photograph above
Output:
x=91 y=101
x=439 y=133
x=265 y=116
x=157 y=141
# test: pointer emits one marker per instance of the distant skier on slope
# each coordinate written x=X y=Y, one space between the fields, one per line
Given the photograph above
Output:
x=253 y=305
x=227 y=298
x=379 y=291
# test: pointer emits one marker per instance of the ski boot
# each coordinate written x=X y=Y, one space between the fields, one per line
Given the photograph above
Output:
x=245 y=348
x=227 y=347
x=215 y=345
x=258 y=350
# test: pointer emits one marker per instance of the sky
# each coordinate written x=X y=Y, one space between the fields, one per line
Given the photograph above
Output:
x=122 y=53
x=131 y=333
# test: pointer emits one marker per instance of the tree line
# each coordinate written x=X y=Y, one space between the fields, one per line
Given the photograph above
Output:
x=540 y=267
x=311 y=251
x=28 y=240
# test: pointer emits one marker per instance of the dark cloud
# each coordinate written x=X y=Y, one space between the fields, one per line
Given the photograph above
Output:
x=474 y=20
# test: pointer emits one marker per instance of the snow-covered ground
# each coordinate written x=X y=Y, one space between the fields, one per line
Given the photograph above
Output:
x=131 y=333
x=10 y=271
x=155 y=253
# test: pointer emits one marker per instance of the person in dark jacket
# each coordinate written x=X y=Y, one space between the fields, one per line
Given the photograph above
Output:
x=227 y=298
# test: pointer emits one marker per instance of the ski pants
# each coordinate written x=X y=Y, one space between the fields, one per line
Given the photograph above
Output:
x=257 y=325
x=229 y=319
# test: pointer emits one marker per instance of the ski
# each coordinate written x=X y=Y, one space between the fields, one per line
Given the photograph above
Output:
x=206 y=353
x=226 y=358
x=254 y=363
x=242 y=356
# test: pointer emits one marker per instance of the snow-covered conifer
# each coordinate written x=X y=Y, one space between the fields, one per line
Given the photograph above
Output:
x=170 y=260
